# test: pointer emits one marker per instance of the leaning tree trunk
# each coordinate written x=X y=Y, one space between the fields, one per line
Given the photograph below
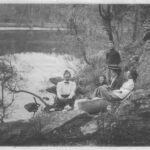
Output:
x=3 y=109
x=137 y=23
x=105 y=13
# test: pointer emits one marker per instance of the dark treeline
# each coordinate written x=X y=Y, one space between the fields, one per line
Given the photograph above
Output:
x=123 y=25
x=73 y=17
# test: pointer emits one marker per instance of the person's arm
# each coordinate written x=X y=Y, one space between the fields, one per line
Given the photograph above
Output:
x=58 y=89
x=73 y=89
x=119 y=91
x=125 y=89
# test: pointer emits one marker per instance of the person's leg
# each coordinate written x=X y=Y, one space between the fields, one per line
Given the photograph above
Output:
x=103 y=103
x=71 y=102
x=60 y=104
x=107 y=94
x=94 y=93
x=97 y=92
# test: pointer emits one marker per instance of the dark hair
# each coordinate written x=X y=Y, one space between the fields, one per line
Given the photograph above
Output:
x=67 y=72
x=133 y=74
x=104 y=82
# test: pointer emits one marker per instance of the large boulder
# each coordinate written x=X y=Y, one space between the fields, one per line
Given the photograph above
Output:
x=55 y=80
x=76 y=126
x=57 y=120
x=12 y=133
x=90 y=127
x=138 y=102
x=43 y=128
x=52 y=89
x=143 y=71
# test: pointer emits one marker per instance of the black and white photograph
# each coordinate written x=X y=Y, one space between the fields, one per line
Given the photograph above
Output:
x=74 y=74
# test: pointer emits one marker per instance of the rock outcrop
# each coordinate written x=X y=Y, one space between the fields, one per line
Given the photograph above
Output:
x=55 y=80
x=129 y=127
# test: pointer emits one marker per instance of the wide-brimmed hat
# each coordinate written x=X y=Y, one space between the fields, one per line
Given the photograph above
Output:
x=114 y=67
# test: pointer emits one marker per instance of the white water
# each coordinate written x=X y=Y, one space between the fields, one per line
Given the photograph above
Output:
x=36 y=69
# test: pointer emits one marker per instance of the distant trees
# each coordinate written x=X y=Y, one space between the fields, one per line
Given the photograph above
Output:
x=92 y=27
x=121 y=25
x=124 y=24
x=33 y=14
x=84 y=24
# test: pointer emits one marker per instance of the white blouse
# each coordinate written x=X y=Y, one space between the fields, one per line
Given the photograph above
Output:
x=66 y=88
x=125 y=89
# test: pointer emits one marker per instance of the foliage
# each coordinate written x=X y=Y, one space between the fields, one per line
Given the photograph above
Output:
x=8 y=78
x=123 y=24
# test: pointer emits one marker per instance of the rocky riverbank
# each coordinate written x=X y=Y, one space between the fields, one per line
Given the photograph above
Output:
x=129 y=127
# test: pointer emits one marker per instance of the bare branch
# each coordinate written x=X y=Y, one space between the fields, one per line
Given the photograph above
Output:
x=24 y=91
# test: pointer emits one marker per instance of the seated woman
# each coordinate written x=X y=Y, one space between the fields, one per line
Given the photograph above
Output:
x=66 y=91
x=125 y=89
x=102 y=81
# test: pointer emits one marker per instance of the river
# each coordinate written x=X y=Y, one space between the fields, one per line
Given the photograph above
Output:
x=36 y=69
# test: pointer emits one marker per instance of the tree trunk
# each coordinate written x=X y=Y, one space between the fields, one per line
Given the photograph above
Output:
x=3 y=108
x=117 y=35
x=105 y=13
x=137 y=23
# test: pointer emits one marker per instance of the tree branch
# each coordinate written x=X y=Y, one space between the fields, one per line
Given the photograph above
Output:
x=24 y=91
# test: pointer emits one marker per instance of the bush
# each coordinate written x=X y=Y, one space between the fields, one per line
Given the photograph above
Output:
x=90 y=73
